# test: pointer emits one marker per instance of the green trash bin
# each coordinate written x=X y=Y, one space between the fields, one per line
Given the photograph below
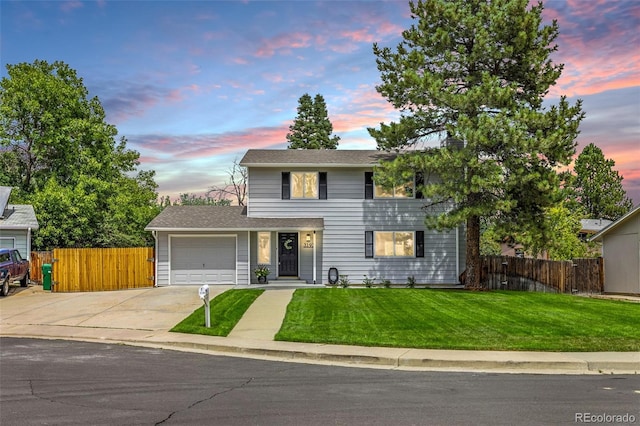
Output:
x=46 y=276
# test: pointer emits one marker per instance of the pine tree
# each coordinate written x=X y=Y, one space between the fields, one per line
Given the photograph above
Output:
x=598 y=187
x=312 y=128
x=474 y=73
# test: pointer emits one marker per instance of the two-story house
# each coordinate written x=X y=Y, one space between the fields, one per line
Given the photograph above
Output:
x=308 y=212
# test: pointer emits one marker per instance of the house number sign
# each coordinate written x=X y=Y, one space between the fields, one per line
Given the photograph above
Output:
x=308 y=245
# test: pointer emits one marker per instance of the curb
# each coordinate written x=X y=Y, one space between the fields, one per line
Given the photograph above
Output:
x=364 y=357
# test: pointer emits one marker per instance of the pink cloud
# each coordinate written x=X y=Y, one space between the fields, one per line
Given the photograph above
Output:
x=283 y=44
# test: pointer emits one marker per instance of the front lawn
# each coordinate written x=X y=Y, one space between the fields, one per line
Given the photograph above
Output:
x=436 y=319
x=225 y=311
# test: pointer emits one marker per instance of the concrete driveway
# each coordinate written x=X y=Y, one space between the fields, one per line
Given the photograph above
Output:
x=152 y=309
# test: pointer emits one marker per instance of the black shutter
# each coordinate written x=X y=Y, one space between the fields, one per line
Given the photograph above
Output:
x=419 y=243
x=286 y=192
x=419 y=183
x=322 y=188
x=368 y=185
x=368 y=244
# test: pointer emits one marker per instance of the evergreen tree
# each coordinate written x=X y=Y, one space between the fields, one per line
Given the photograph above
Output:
x=474 y=73
x=312 y=129
x=598 y=187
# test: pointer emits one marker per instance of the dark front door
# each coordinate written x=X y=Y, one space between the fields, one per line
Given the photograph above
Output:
x=288 y=254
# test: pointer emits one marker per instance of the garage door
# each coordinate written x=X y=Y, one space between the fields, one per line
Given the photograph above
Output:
x=203 y=260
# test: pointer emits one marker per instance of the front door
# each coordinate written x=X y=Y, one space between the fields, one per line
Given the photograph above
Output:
x=288 y=254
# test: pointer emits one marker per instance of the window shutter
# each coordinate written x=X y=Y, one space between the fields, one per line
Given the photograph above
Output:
x=419 y=243
x=368 y=185
x=286 y=192
x=419 y=183
x=368 y=244
x=322 y=185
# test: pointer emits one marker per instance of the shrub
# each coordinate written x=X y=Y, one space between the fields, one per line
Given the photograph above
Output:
x=368 y=282
x=344 y=281
x=411 y=281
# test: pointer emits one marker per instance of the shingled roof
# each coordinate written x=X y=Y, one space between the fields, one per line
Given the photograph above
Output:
x=224 y=218
x=313 y=157
x=18 y=216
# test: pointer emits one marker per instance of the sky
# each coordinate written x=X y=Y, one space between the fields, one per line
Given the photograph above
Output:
x=192 y=85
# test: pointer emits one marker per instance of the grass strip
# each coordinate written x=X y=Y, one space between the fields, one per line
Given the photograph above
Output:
x=226 y=310
x=438 y=319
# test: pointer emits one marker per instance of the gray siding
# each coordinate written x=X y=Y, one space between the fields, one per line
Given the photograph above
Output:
x=621 y=253
x=162 y=255
x=347 y=215
x=15 y=238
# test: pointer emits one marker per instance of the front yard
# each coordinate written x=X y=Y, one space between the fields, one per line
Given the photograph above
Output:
x=437 y=319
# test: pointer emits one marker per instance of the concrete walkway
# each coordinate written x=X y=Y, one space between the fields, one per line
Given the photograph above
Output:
x=264 y=317
x=143 y=317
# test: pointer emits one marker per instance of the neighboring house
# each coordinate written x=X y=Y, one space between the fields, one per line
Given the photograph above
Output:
x=17 y=221
x=621 y=253
x=307 y=211
x=591 y=227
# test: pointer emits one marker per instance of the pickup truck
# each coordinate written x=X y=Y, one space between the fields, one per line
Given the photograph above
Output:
x=12 y=268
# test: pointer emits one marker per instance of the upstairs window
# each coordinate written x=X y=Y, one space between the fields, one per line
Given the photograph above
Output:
x=406 y=190
x=304 y=185
x=400 y=191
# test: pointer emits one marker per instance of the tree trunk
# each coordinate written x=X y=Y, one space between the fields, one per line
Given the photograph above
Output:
x=472 y=273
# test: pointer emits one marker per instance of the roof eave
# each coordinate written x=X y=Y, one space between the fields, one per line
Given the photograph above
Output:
x=614 y=224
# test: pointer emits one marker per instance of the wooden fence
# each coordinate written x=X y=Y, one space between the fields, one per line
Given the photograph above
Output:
x=514 y=273
x=101 y=269
x=39 y=258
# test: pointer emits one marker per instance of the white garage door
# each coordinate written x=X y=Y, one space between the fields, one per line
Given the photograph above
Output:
x=203 y=260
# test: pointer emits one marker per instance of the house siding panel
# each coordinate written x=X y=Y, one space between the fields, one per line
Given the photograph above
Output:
x=15 y=238
x=347 y=215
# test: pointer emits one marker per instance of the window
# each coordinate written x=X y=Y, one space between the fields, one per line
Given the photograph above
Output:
x=406 y=190
x=393 y=244
x=264 y=248
x=400 y=191
x=310 y=185
x=304 y=185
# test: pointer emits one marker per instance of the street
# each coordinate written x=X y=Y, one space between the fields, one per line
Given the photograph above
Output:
x=64 y=382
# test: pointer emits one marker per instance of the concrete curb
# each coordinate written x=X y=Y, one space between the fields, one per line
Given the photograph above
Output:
x=354 y=356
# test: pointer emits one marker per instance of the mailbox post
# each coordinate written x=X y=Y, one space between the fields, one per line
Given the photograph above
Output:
x=204 y=295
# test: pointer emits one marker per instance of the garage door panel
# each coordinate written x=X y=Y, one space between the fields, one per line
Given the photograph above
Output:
x=203 y=260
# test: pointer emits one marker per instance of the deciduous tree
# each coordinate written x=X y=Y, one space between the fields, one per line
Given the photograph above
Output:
x=61 y=155
x=474 y=74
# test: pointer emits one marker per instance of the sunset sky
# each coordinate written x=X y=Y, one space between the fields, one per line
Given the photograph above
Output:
x=193 y=84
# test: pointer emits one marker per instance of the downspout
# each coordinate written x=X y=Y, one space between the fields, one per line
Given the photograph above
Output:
x=457 y=252
x=155 y=258
x=314 y=257
x=29 y=244
x=248 y=257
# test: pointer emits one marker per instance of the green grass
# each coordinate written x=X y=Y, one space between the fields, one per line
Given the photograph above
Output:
x=225 y=310
x=439 y=319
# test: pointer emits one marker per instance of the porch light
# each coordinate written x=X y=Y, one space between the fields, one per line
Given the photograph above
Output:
x=308 y=237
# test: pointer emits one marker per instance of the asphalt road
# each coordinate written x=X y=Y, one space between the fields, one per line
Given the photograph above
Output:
x=64 y=382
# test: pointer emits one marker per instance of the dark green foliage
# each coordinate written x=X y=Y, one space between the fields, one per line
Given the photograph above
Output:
x=60 y=155
x=598 y=187
x=473 y=74
x=312 y=129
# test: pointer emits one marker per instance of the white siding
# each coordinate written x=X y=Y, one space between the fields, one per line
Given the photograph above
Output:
x=347 y=215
